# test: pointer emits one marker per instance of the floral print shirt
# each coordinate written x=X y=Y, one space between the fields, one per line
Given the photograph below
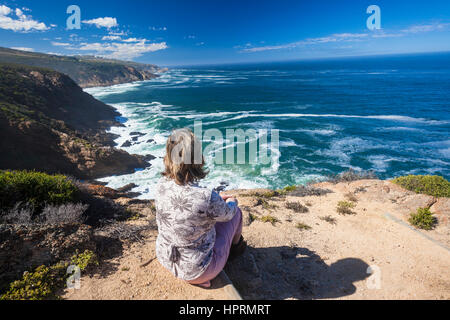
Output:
x=186 y=216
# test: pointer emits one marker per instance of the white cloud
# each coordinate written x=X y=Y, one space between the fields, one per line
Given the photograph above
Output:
x=111 y=38
x=352 y=37
x=106 y=22
x=23 y=49
x=121 y=33
x=122 y=50
x=4 y=10
x=426 y=28
x=133 y=40
x=338 y=37
x=22 y=22
x=60 y=44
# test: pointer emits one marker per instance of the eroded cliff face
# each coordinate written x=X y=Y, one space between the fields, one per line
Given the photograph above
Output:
x=48 y=123
x=84 y=70
x=123 y=75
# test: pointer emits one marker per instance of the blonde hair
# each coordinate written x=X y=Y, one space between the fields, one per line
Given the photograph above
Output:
x=184 y=162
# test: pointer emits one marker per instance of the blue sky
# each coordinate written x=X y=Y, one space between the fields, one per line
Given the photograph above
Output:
x=176 y=32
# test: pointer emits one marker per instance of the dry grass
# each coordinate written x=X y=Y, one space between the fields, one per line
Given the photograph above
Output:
x=328 y=219
x=302 y=226
x=351 y=197
x=297 y=207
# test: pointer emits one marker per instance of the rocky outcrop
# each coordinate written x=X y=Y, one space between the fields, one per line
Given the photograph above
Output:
x=48 y=123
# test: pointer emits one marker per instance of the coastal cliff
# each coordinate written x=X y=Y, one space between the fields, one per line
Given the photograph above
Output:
x=48 y=123
x=86 y=71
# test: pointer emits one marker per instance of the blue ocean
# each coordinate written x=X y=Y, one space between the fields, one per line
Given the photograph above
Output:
x=388 y=114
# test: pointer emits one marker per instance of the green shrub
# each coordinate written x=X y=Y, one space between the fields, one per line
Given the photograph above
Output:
x=435 y=186
x=84 y=259
x=38 y=285
x=269 y=219
x=423 y=219
x=345 y=207
x=35 y=188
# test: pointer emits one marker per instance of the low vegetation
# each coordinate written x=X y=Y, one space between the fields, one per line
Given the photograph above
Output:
x=40 y=284
x=302 y=226
x=435 y=186
x=296 y=191
x=35 y=189
x=423 y=219
x=265 y=204
x=345 y=207
x=44 y=282
x=328 y=219
x=297 y=207
x=309 y=190
x=85 y=259
x=351 y=197
x=269 y=219
x=351 y=175
x=28 y=197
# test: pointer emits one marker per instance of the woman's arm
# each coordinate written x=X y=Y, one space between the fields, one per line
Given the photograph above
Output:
x=220 y=210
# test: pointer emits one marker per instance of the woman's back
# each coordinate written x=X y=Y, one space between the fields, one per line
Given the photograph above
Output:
x=186 y=215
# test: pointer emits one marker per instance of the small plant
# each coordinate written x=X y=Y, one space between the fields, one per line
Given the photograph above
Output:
x=297 y=207
x=21 y=214
x=309 y=190
x=253 y=217
x=352 y=175
x=302 y=226
x=423 y=219
x=133 y=216
x=435 y=186
x=125 y=269
x=40 y=284
x=328 y=219
x=265 y=204
x=64 y=214
x=286 y=190
x=269 y=219
x=351 y=197
x=345 y=207
x=85 y=259
x=360 y=190
x=262 y=194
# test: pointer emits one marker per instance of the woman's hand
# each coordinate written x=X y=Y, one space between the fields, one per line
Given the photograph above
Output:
x=229 y=198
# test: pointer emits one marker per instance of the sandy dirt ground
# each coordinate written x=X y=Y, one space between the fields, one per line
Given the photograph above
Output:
x=371 y=254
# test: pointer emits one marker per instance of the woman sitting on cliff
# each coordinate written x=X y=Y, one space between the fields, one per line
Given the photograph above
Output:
x=198 y=229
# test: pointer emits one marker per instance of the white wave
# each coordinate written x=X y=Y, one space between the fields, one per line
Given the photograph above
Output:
x=309 y=115
x=400 y=129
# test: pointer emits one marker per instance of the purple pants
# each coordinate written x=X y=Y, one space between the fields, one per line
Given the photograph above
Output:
x=225 y=233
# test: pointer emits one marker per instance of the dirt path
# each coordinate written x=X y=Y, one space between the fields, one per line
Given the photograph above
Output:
x=331 y=260
x=328 y=261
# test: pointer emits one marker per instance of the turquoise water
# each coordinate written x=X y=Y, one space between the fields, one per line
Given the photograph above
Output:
x=387 y=114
